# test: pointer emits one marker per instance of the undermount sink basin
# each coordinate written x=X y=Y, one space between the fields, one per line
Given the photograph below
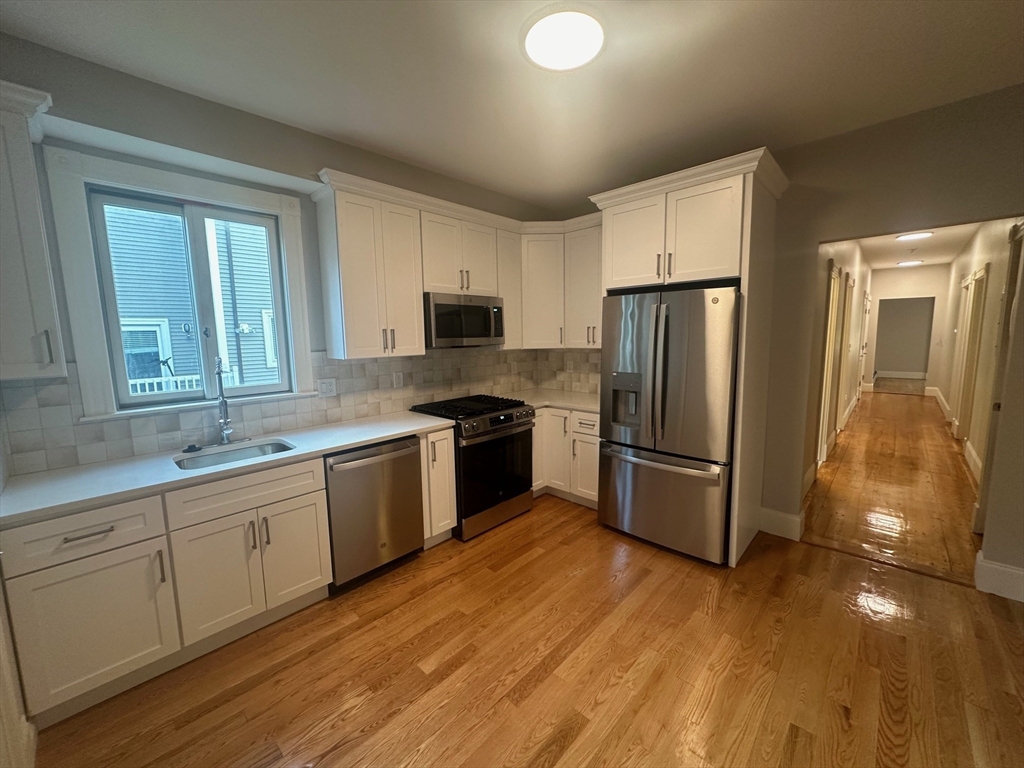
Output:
x=227 y=454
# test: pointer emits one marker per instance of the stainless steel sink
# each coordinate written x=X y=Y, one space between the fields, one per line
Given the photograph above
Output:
x=226 y=454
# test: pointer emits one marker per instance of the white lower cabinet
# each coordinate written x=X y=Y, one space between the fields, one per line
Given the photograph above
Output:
x=540 y=420
x=439 y=501
x=87 y=622
x=218 y=568
x=557 y=449
x=585 y=452
x=296 y=547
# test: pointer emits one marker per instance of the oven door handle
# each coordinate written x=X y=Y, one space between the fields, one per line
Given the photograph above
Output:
x=464 y=442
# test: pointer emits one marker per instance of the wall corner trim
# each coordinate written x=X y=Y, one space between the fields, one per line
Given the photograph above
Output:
x=973 y=460
x=781 y=524
x=810 y=475
x=937 y=394
x=998 y=579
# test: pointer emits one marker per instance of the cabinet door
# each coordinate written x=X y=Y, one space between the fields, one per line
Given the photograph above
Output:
x=296 y=547
x=403 y=279
x=585 y=454
x=543 y=291
x=557 y=449
x=31 y=345
x=510 y=287
x=540 y=420
x=634 y=243
x=219 y=574
x=84 y=623
x=703 y=231
x=360 y=252
x=583 y=287
x=441 y=472
x=442 y=254
x=480 y=259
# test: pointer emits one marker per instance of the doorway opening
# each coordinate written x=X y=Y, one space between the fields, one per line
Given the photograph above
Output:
x=903 y=418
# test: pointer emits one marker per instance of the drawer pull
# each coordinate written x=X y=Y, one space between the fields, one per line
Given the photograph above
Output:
x=103 y=532
x=163 y=573
x=266 y=526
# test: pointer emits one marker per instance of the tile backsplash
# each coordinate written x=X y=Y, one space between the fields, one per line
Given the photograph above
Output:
x=40 y=425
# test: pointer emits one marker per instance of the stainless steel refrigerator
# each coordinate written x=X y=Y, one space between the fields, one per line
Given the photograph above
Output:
x=668 y=367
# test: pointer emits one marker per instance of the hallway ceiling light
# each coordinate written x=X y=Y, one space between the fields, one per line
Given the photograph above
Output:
x=914 y=236
x=564 y=40
x=916 y=263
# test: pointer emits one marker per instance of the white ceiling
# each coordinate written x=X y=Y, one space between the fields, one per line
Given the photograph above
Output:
x=942 y=247
x=444 y=85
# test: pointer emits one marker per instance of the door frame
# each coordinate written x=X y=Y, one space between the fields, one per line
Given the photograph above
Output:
x=975 y=316
x=828 y=359
x=844 y=351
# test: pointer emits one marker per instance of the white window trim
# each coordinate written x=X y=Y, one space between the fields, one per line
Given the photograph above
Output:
x=68 y=173
x=269 y=348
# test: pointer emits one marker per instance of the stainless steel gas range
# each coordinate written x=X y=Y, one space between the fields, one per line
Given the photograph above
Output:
x=493 y=459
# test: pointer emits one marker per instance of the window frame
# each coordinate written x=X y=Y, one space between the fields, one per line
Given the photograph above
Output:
x=70 y=173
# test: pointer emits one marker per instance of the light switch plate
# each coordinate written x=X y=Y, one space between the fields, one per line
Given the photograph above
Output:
x=397 y=379
x=326 y=387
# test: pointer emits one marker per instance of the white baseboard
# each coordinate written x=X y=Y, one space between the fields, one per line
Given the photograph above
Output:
x=849 y=412
x=809 y=475
x=999 y=579
x=901 y=375
x=781 y=524
x=973 y=460
x=937 y=394
x=867 y=387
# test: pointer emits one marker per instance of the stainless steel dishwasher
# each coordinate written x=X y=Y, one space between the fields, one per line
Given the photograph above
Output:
x=375 y=498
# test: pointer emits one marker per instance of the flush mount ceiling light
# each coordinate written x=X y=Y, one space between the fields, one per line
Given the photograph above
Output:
x=563 y=40
x=909 y=263
x=914 y=236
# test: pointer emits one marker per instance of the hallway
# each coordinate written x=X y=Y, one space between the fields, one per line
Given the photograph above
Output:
x=895 y=489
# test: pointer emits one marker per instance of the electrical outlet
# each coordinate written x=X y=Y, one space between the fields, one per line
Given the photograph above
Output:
x=397 y=379
x=326 y=387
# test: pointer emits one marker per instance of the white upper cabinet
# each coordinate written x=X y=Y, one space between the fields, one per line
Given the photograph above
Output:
x=403 y=280
x=480 y=259
x=703 y=228
x=442 y=254
x=510 y=287
x=543 y=291
x=371 y=270
x=634 y=243
x=30 y=341
x=583 y=288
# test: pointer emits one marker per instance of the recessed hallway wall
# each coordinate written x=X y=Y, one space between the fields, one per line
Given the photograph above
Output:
x=904 y=337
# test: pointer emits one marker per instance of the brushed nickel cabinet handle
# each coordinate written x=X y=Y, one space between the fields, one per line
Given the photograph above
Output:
x=560 y=341
x=574 y=447
x=669 y=265
x=49 y=345
x=658 y=267
x=252 y=530
x=392 y=339
x=266 y=526
x=163 y=573
x=433 y=453
x=467 y=279
x=384 y=333
x=462 y=285
x=565 y=425
x=69 y=539
x=588 y=334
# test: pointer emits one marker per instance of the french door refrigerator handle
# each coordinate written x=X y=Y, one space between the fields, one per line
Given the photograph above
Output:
x=649 y=373
x=713 y=473
x=659 y=375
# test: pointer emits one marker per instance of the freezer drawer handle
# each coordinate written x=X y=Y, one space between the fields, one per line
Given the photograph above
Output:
x=341 y=466
x=713 y=473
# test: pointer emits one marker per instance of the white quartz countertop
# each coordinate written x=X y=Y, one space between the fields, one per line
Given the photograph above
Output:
x=47 y=495
x=554 y=398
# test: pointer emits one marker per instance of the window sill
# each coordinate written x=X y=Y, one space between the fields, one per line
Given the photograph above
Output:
x=197 y=405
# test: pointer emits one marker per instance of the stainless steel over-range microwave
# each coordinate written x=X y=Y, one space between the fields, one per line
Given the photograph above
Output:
x=458 y=320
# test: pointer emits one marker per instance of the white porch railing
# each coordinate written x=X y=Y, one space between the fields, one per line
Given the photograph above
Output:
x=173 y=384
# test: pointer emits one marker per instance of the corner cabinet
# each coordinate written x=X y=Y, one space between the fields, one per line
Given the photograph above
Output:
x=566 y=450
x=371 y=267
x=543 y=291
x=583 y=288
x=437 y=451
x=510 y=287
x=30 y=340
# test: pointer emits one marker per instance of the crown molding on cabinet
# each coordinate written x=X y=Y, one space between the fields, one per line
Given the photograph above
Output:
x=561 y=227
x=757 y=161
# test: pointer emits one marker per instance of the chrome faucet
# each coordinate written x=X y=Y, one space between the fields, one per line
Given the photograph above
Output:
x=222 y=403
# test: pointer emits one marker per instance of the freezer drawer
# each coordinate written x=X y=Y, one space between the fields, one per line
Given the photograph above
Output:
x=673 y=502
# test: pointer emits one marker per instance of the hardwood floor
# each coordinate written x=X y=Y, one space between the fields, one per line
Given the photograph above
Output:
x=899 y=386
x=896 y=488
x=554 y=641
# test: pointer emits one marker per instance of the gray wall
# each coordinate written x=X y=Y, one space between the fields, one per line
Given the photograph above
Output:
x=958 y=163
x=904 y=336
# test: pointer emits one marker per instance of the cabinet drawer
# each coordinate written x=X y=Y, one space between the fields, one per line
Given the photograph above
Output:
x=41 y=545
x=585 y=423
x=209 y=501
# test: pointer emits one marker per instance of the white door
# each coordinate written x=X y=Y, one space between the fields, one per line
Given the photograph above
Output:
x=361 y=262
x=634 y=243
x=510 y=287
x=703 y=231
x=558 y=449
x=442 y=254
x=480 y=259
x=296 y=547
x=585 y=453
x=403 y=279
x=30 y=346
x=583 y=288
x=441 y=472
x=87 y=622
x=540 y=420
x=543 y=291
x=219 y=574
